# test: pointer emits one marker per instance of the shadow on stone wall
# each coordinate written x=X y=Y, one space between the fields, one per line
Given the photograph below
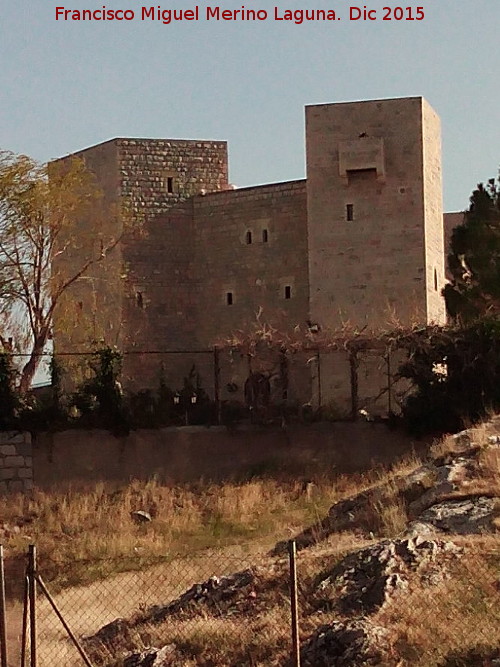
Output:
x=187 y=454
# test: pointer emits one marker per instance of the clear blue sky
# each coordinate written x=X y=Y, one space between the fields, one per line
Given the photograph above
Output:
x=68 y=85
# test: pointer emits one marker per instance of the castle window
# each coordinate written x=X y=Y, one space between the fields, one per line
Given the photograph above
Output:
x=229 y=298
x=139 y=300
x=288 y=292
x=349 y=211
x=435 y=280
x=248 y=237
x=170 y=185
x=265 y=236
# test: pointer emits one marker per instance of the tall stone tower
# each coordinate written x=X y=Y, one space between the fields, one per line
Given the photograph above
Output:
x=143 y=294
x=375 y=219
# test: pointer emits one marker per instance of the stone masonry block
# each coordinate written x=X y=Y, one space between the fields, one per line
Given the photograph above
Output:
x=8 y=473
x=8 y=450
x=25 y=473
x=13 y=437
x=14 y=461
x=26 y=449
x=16 y=486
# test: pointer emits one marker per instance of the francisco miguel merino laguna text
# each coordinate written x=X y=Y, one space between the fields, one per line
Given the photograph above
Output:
x=298 y=16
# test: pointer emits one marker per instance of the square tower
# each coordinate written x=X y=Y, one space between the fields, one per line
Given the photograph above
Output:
x=375 y=219
x=148 y=184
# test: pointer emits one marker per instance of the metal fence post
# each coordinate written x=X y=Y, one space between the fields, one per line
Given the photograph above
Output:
x=292 y=553
x=354 y=363
x=3 y=621
x=32 y=601
x=318 y=364
x=24 y=639
x=217 y=385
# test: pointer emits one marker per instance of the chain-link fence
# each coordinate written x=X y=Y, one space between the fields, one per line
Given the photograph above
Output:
x=428 y=603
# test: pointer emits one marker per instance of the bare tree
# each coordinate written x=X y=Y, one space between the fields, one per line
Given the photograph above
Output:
x=38 y=228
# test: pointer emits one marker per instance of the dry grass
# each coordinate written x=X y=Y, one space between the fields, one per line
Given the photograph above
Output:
x=86 y=533
x=432 y=623
x=95 y=558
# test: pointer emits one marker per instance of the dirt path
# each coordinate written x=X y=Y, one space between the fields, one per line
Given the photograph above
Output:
x=87 y=608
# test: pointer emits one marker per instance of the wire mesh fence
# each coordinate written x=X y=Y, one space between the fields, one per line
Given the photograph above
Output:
x=428 y=603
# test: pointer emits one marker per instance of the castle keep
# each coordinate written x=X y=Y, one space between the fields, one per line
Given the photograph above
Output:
x=359 y=241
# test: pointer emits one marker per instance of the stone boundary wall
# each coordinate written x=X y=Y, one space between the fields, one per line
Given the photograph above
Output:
x=189 y=454
x=16 y=462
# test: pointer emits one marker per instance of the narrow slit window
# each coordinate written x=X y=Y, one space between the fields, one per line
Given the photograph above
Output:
x=229 y=298
x=288 y=292
x=265 y=236
x=435 y=280
x=170 y=185
x=248 y=237
x=349 y=209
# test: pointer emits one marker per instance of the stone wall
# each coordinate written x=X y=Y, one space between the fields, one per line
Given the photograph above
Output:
x=16 y=462
x=251 y=243
x=433 y=212
x=360 y=244
x=369 y=195
x=187 y=454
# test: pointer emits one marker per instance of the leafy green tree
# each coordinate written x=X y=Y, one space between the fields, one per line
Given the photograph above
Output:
x=474 y=260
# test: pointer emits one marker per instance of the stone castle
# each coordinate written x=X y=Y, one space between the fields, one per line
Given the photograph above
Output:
x=359 y=241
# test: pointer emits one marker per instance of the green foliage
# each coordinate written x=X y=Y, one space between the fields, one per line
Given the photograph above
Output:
x=475 y=258
x=100 y=399
x=455 y=372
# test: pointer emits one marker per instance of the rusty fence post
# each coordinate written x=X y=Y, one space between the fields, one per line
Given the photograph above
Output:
x=71 y=635
x=389 y=382
x=217 y=385
x=3 y=620
x=354 y=364
x=32 y=602
x=24 y=636
x=294 y=605
x=318 y=364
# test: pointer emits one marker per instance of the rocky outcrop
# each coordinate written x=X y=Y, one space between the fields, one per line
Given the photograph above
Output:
x=462 y=516
x=360 y=584
x=347 y=644
x=364 y=580
x=167 y=656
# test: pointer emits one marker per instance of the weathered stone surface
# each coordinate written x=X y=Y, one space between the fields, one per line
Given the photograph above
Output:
x=464 y=516
x=365 y=579
x=230 y=594
x=153 y=657
x=347 y=644
x=14 y=461
x=217 y=594
x=140 y=516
